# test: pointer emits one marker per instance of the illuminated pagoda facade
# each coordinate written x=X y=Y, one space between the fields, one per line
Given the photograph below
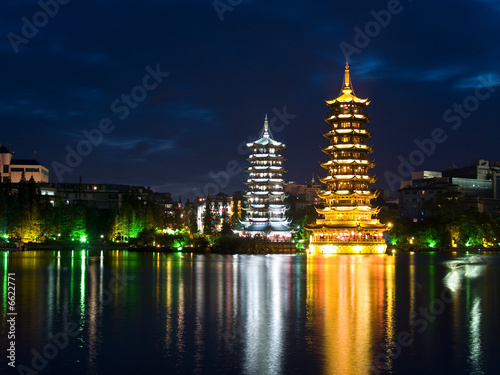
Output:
x=347 y=223
x=265 y=207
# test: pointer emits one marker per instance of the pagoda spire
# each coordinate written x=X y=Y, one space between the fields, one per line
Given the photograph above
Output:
x=347 y=87
x=266 y=132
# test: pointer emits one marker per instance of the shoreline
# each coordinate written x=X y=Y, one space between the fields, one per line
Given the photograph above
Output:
x=268 y=248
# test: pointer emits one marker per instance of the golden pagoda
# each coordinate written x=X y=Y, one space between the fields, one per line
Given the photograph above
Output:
x=347 y=223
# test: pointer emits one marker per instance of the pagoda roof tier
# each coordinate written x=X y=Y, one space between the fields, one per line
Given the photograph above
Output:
x=270 y=174
x=263 y=169
x=347 y=225
x=346 y=147
x=265 y=228
x=259 y=219
x=265 y=141
x=346 y=194
x=268 y=166
x=343 y=116
x=266 y=138
x=349 y=177
x=345 y=209
x=337 y=162
x=264 y=181
x=347 y=94
x=334 y=132
x=256 y=194
x=273 y=181
x=263 y=156
x=347 y=97
x=258 y=205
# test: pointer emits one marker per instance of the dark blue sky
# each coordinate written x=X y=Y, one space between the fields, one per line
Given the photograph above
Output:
x=227 y=68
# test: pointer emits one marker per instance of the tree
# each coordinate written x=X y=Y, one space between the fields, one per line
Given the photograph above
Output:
x=190 y=217
x=3 y=211
x=208 y=224
x=78 y=222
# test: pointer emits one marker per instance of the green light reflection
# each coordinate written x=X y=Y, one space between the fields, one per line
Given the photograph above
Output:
x=82 y=288
x=5 y=284
x=71 y=280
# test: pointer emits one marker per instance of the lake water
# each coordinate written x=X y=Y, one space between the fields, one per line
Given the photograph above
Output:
x=121 y=312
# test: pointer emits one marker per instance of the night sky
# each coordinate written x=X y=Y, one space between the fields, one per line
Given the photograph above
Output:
x=179 y=86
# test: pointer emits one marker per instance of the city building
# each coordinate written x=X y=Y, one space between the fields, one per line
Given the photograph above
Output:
x=347 y=223
x=101 y=196
x=304 y=192
x=220 y=209
x=265 y=207
x=12 y=169
x=475 y=184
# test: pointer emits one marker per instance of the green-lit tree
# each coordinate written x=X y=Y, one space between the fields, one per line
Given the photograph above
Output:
x=78 y=222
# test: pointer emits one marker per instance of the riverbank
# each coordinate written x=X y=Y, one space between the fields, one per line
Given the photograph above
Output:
x=232 y=247
x=243 y=247
x=450 y=250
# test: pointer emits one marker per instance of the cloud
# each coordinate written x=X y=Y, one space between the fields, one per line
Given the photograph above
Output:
x=187 y=111
x=481 y=80
x=138 y=145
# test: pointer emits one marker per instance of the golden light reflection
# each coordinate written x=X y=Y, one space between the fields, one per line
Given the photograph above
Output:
x=390 y=314
x=412 y=314
x=168 y=298
x=346 y=298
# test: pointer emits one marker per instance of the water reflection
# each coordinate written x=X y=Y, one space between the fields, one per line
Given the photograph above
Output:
x=340 y=314
x=353 y=302
x=265 y=302
x=463 y=268
x=461 y=275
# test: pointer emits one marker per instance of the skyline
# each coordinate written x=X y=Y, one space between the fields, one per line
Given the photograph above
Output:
x=177 y=89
